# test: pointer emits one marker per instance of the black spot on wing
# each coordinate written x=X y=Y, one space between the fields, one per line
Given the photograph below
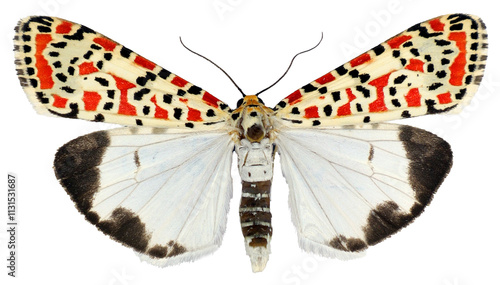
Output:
x=102 y=81
x=385 y=220
x=378 y=50
x=75 y=166
x=142 y=80
x=125 y=52
x=341 y=70
x=98 y=118
x=435 y=86
x=210 y=113
x=348 y=244
x=431 y=159
x=79 y=34
x=235 y=116
x=42 y=98
x=456 y=18
x=309 y=88
x=137 y=161
x=25 y=27
x=171 y=249
x=73 y=114
x=158 y=251
x=431 y=109
x=32 y=82
x=61 y=77
x=365 y=91
x=164 y=73
x=442 y=42
x=328 y=110
x=67 y=89
x=176 y=249
x=194 y=90
x=423 y=31
x=59 y=44
x=126 y=227
x=282 y=104
x=71 y=70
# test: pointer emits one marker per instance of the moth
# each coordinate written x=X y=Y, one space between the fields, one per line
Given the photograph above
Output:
x=162 y=184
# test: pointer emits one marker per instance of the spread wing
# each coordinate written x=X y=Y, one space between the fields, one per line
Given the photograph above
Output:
x=352 y=188
x=433 y=67
x=69 y=70
x=166 y=195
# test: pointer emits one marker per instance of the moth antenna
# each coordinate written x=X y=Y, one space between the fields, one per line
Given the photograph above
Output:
x=241 y=91
x=291 y=62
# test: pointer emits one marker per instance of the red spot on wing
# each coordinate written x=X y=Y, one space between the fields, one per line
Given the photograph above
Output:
x=125 y=107
x=64 y=27
x=106 y=43
x=91 y=100
x=444 y=98
x=311 y=112
x=178 y=81
x=321 y=97
x=139 y=60
x=413 y=98
x=122 y=84
x=415 y=65
x=381 y=81
x=87 y=68
x=44 y=71
x=379 y=105
x=59 y=102
x=294 y=97
x=436 y=25
x=194 y=115
x=183 y=100
x=457 y=68
x=345 y=110
x=397 y=41
x=360 y=60
x=325 y=78
x=210 y=99
x=160 y=113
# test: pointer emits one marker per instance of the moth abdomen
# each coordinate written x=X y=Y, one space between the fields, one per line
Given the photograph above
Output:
x=255 y=219
x=255 y=214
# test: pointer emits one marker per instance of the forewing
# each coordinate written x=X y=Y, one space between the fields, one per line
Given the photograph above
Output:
x=69 y=70
x=352 y=188
x=164 y=194
x=433 y=67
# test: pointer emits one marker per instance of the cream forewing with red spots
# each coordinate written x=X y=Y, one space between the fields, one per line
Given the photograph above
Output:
x=162 y=185
x=433 y=67
x=72 y=71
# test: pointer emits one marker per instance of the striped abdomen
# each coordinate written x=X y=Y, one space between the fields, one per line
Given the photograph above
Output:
x=255 y=214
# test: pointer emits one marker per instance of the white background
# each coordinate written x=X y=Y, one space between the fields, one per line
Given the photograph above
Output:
x=455 y=242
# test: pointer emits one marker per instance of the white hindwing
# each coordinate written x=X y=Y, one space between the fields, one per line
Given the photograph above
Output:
x=353 y=187
x=164 y=194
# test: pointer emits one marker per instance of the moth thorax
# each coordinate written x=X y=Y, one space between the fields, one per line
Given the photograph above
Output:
x=255 y=160
x=253 y=126
x=255 y=133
